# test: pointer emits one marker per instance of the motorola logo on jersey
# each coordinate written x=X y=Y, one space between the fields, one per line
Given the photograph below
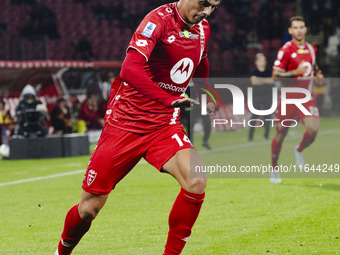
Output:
x=171 y=87
x=182 y=70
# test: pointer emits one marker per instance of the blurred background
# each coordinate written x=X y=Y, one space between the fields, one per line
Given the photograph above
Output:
x=48 y=35
x=101 y=30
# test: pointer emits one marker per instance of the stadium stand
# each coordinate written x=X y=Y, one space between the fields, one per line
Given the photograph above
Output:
x=240 y=29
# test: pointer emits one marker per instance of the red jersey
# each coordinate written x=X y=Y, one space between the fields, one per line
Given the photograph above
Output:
x=291 y=55
x=173 y=51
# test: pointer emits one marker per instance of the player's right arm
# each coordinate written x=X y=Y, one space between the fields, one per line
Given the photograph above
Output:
x=301 y=70
x=133 y=73
x=148 y=33
x=281 y=65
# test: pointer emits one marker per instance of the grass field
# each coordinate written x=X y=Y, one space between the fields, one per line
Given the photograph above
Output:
x=239 y=216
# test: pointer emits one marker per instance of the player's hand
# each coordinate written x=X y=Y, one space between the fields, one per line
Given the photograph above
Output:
x=319 y=74
x=302 y=68
x=319 y=79
x=184 y=102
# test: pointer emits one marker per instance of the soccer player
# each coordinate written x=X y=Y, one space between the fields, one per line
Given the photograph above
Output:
x=142 y=119
x=296 y=59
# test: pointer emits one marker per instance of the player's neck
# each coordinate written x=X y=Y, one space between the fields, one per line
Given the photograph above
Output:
x=299 y=43
x=180 y=9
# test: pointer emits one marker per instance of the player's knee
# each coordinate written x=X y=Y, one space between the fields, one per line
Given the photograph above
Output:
x=313 y=131
x=280 y=136
x=196 y=185
x=88 y=211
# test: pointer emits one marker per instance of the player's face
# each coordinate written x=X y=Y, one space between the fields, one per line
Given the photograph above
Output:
x=197 y=10
x=298 y=30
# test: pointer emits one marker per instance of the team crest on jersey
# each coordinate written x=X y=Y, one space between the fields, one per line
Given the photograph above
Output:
x=182 y=70
x=149 y=28
x=185 y=33
x=91 y=177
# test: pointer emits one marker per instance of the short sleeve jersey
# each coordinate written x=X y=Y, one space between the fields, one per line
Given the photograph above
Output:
x=173 y=50
x=289 y=58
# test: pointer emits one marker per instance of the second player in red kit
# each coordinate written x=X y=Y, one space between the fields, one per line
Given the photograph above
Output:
x=296 y=60
x=168 y=48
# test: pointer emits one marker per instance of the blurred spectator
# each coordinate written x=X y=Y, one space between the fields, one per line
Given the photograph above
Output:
x=238 y=25
x=61 y=117
x=42 y=22
x=74 y=115
x=83 y=49
x=31 y=115
x=6 y=120
x=262 y=81
x=75 y=109
x=107 y=84
x=192 y=118
x=89 y=113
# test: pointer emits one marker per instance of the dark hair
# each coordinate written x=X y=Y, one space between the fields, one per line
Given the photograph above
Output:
x=60 y=100
x=295 y=18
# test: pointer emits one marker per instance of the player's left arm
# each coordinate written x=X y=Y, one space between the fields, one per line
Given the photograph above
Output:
x=201 y=74
x=201 y=82
x=319 y=78
x=317 y=71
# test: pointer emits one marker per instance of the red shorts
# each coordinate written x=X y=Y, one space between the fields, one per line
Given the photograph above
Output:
x=118 y=151
x=293 y=113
